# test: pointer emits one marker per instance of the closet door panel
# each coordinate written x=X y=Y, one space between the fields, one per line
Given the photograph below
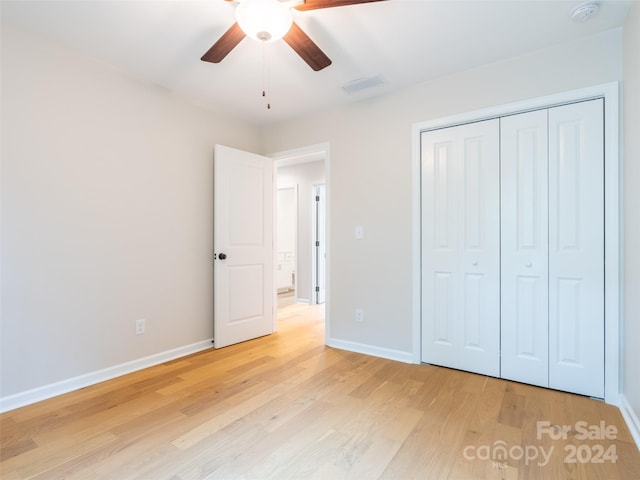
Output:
x=460 y=231
x=524 y=249
x=576 y=248
x=479 y=247
x=439 y=246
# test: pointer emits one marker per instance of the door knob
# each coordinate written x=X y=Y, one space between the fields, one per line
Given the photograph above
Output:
x=528 y=265
x=474 y=263
x=222 y=256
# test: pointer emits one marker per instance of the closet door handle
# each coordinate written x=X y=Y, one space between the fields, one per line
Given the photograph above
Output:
x=474 y=263
x=528 y=264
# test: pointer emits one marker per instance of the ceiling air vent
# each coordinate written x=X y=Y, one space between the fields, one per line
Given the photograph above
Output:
x=363 y=83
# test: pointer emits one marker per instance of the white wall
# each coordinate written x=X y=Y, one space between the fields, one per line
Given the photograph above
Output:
x=631 y=170
x=106 y=214
x=287 y=203
x=106 y=201
x=304 y=176
x=286 y=237
x=370 y=173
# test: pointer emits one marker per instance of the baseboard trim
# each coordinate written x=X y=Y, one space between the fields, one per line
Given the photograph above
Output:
x=631 y=419
x=388 y=353
x=11 y=402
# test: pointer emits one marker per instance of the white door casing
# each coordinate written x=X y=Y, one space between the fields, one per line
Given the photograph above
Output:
x=576 y=248
x=244 y=294
x=460 y=247
x=524 y=248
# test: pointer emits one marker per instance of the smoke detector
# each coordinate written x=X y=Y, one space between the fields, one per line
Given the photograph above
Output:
x=584 y=11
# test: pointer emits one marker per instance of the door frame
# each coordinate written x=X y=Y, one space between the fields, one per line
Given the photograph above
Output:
x=315 y=222
x=612 y=208
x=308 y=154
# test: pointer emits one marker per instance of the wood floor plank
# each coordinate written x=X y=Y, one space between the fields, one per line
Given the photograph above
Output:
x=49 y=456
x=286 y=406
x=442 y=424
x=258 y=396
x=15 y=439
x=511 y=409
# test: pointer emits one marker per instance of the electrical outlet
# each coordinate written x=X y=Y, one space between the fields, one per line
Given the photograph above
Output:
x=140 y=326
x=359 y=315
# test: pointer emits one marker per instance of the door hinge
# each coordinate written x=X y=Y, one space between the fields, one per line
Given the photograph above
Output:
x=317 y=289
x=317 y=198
x=317 y=243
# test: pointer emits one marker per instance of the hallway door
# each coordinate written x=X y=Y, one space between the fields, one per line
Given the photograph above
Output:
x=243 y=246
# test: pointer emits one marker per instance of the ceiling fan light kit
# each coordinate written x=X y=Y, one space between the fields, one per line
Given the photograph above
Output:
x=264 y=20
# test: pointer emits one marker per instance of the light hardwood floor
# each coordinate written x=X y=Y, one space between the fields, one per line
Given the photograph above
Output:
x=287 y=407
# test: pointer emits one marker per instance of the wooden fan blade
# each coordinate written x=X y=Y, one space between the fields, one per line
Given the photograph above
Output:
x=306 y=48
x=224 y=45
x=316 y=4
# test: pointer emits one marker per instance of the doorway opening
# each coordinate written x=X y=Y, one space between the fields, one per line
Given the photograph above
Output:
x=301 y=221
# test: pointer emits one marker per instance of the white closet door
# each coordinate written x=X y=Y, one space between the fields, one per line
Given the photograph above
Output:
x=461 y=247
x=576 y=248
x=524 y=238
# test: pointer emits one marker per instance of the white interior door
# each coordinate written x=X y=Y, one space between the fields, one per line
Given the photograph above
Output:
x=320 y=243
x=243 y=244
x=461 y=247
x=576 y=248
x=524 y=250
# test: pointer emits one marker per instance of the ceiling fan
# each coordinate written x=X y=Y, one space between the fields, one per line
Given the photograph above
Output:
x=270 y=20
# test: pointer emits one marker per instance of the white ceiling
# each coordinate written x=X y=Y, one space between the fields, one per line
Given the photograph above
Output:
x=404 y=41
